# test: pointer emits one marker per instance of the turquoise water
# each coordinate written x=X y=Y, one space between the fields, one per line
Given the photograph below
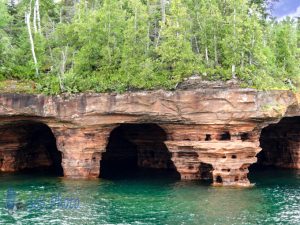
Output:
x=275 y=199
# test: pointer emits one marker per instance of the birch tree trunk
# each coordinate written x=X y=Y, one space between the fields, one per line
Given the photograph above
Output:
x=38 y=16
x=34 y=17
x=242 y=63
x=233 y=72
x=163 y=11
x=64 y=55
x=27 y=21
x=163 y=20
x=206 y=55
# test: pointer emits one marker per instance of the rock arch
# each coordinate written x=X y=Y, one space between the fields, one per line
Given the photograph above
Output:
x=280 y=144
x=134 y=146
x=29 y=145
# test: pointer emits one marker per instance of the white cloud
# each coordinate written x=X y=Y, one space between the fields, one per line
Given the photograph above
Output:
x=292 y=14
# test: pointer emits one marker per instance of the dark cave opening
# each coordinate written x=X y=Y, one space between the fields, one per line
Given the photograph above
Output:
x=135 y=150
x=225 y=136
x=280 y=145
x=219 y=180
x=206 y=171
x=29 y=147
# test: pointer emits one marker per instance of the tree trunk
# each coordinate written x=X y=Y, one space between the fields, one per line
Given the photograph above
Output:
x=242 y=64
x=64 y=55
x=216 y=50
x=38 y=16
x=157 y=40
x=197 y=45
x=163 y=11
x=34 y=18
x=233 y=72
x=27 y=21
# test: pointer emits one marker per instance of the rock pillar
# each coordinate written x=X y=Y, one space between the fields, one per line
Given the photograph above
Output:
x=229 y=160
x=81 y=150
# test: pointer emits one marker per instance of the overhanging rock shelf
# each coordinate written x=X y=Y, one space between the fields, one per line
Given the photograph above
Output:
x=202 y=133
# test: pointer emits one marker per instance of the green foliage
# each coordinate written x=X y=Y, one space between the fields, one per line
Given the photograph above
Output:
x=5 y=40
x=113 y=45
x=175 y=55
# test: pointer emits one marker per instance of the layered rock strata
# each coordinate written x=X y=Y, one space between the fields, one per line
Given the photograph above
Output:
x=203 y=133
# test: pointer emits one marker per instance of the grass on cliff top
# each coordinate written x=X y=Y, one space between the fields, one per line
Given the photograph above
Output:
x=18 y=86
x=50 y=86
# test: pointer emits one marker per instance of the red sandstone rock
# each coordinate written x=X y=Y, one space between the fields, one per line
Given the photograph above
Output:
x=209 y=132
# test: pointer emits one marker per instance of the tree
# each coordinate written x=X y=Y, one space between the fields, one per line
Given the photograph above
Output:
x=27 y=21
x=175 y=55
x=113 y=45
x=286 y=48
x=264 y=6
x=5 y=40
x=136 y=67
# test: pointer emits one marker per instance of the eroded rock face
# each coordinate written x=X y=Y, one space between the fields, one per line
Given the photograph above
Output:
x=133 y=146
x=281 y=144
x=208 y=133
x=28 y=145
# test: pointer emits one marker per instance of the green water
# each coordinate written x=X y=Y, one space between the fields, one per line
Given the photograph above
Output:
x=274 y=200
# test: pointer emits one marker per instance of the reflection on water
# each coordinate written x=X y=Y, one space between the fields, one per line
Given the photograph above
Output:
x=274 y=200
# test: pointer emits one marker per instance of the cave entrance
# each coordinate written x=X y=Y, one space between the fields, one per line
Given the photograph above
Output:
x=137 y=150
x=27 y=146
x=206 y=171
x=280 y=145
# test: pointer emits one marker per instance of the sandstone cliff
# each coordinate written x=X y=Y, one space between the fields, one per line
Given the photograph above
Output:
x=211 y=131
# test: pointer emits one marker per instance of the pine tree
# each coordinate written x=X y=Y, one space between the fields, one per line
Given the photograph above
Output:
x=114 y=45
x=175 y=55
x=136 y=66
x=98 y=37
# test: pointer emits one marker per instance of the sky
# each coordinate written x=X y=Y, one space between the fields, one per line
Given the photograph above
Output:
x=285 y=8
